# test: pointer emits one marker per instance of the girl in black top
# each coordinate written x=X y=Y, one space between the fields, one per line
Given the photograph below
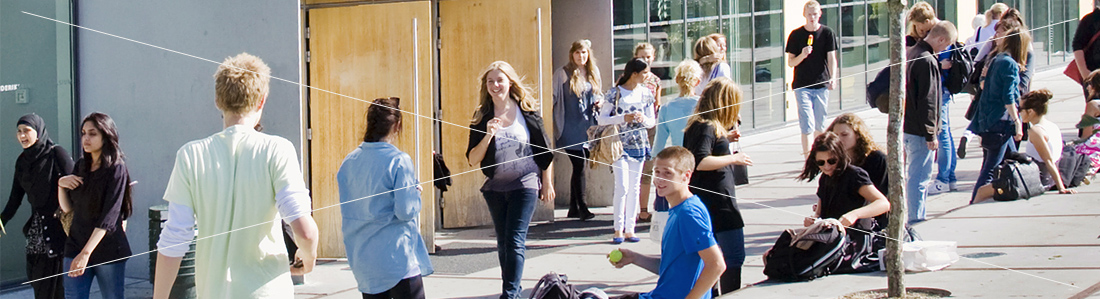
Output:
x=97 y=193
x=855 y=139
x=707 y=137
x=845 y=193
x=37 y=170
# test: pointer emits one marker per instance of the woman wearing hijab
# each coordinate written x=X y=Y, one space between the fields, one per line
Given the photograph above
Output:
x=37 y=170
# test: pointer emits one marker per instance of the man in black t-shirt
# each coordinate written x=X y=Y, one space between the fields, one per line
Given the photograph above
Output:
x=1087 y=57
x=811 y=50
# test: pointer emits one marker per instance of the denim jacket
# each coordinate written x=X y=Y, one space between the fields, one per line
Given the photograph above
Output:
x=380 y=208
x=1001 y=88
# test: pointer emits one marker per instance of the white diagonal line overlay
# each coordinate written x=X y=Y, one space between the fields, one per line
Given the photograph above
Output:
x=478 y=169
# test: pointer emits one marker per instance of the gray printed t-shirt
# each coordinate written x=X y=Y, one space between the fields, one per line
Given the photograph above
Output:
x=517 y=168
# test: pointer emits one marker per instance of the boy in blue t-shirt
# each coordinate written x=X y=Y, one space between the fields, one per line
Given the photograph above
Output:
x=690 y=261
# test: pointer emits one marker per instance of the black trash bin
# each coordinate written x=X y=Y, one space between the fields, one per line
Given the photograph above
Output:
x=185 y=279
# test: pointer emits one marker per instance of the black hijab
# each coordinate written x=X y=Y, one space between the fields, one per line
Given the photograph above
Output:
x=34 y=159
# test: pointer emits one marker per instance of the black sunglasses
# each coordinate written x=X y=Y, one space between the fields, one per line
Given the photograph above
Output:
x=832 y=161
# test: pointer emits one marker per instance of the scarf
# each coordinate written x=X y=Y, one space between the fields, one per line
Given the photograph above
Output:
x=35 y=163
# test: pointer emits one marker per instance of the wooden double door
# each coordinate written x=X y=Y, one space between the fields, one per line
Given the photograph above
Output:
x=362 y=51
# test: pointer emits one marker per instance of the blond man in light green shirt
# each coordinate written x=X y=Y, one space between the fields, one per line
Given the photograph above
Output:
x=236 y=185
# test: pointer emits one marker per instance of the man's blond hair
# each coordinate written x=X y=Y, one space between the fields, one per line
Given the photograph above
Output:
x=241 y=83
x=810 y=5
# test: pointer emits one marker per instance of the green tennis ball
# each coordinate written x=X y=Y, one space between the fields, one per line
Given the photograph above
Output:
x=615 y=256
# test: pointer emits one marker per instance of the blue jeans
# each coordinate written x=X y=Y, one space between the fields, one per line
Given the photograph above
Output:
x=945 y=154
x=732 y=244
x=994 y=146
x=511 y=212
x=811 y=103
x=111 y=278
x=918 y=160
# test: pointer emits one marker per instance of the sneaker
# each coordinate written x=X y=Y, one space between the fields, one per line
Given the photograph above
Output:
x=938 y=187
x=954 y=186
x=962 y=148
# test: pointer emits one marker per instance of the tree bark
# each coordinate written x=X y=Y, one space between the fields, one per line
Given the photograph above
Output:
x=895 y=270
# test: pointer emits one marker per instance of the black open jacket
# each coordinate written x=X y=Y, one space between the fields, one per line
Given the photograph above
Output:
x=539 y=146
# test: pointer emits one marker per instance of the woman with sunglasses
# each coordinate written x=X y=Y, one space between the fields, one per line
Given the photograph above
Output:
x=846 y=193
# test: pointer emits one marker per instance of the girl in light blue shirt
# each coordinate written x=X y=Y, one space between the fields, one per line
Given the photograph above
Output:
x=672 y=119
x=380 y=205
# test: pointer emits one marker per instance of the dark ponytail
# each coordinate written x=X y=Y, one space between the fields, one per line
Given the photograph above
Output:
x=382 y=115
x=1037 y=100
x=636 y=65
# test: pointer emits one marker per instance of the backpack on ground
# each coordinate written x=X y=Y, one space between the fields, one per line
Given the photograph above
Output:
x=554 y=286
x=962 y=65
x=786 y=262
x=1073 y=167
x=1016 y=178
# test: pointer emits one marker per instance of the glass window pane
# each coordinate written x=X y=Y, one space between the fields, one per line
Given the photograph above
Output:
x=628 y=12
x=853 y=57
x=769 y=101
x=830 y=16
x=668 y=41
x=625 y=39
x=702 y=8
x=37 y=77
x=740 y=50
x=666 y=33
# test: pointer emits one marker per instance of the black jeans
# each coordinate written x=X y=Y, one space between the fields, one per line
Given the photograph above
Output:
x=42 y=265
x=408 y=288
x=578 y=207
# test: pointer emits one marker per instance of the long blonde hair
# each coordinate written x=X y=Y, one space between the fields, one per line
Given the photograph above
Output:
x=719 y=105
x=590 y=67
x=517 y=91
x=706 y=46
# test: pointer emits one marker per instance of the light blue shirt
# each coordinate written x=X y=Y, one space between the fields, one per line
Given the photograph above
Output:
x=380 y=205
x=671 y=121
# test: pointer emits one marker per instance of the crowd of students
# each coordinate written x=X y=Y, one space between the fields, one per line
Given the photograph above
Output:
x=684 y=144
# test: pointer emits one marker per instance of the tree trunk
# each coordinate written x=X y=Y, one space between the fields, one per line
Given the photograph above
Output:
x=895 y=270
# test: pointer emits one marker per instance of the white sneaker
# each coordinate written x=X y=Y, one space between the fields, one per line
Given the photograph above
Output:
x=938 y=187
x=954 y=186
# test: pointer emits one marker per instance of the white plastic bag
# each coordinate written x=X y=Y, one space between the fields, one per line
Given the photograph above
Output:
x=921 y=256
x=657 y=226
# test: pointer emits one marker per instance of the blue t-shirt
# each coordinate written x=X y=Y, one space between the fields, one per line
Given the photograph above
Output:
x=688 y=232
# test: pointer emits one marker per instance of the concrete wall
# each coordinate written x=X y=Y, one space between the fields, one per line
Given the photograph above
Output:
x=573 y=20
x=35 y=56
x=160 y=100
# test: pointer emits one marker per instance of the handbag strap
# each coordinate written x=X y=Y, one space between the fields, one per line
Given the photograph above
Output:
x=1092 y=40
x=618 y=96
